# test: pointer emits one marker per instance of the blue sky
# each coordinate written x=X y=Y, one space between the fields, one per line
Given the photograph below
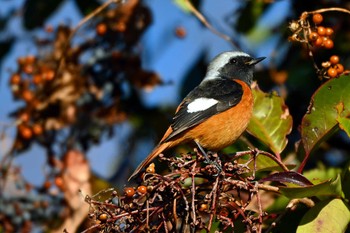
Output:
x=162 y=52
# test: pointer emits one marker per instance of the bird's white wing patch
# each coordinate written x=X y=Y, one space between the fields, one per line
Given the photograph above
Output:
x=201 y=104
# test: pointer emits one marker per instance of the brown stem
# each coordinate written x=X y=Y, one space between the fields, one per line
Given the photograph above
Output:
x=329 y=9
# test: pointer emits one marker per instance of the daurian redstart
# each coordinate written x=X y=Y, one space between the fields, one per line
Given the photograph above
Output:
x=217 y=111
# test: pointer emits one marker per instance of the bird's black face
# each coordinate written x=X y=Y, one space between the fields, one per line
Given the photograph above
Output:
x=240 y=67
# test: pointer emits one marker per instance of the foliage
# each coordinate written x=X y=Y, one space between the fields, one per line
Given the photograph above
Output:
x=75 y=89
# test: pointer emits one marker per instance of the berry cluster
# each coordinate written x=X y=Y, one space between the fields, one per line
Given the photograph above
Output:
x=21 y=204
x=333 y=67
x=187 y=198
x=321 y=36
x=27 y=83
x=318 y=36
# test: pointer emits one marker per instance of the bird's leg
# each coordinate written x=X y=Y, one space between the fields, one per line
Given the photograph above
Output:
x=207 y=160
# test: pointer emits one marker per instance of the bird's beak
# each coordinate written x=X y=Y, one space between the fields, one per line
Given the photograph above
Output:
x=255 y=61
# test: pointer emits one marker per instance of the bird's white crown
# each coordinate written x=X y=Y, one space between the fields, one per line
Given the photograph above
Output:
x=219 y=61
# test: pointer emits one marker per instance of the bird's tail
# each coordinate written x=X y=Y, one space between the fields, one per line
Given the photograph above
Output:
x=159 y=149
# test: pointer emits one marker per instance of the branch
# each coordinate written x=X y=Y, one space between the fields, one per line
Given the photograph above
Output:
x=207 y=24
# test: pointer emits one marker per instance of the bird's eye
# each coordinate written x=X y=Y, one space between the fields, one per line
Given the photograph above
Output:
x=233 y=60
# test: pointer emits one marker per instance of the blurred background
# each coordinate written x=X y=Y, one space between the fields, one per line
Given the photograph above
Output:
x=106 y=92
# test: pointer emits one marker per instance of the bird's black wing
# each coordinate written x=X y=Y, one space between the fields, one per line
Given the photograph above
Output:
x=227 y=92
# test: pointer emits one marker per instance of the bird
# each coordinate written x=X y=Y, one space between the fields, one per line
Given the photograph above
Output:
x=216 y=112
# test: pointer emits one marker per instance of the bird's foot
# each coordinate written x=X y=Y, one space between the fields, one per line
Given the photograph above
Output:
x=209 y=161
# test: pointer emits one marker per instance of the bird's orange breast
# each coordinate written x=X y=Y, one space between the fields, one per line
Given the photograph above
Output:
x=221 y=130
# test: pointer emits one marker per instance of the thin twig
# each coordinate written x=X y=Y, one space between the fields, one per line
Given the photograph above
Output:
x=271 y=156
x=193 y=172
x=79 y=25
x=258 y=199
x=207 y=24
x=329 y=9
x=213 y=197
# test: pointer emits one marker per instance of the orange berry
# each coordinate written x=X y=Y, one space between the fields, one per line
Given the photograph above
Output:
x=317 y=18
x=49 y=75
x=313 y=36
x=180 y=32
x=334 y=59
x=142 y=189
x=25 y=132
x=30 y=59
x=21 y=61
x=27 y=95
x=15 y=79
x=59 y=182
x=49 y=28
x=321 y=31
x=37 y=129
x=339 y=68
x=103 y=217
x=318 y=42
x=328 y=44
x=150 y=169
x=24 y=117
x=37 y=79
x=332 y=73
x=28 y=69
x=47 y=184
x=101 y=29
x=120 y=27
x=203 y=207
x=129 y=192
x=329 y=31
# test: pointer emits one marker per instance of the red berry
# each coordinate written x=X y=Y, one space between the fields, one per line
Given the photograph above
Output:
x=332 y=73
x=334 y=59
x=317 y=18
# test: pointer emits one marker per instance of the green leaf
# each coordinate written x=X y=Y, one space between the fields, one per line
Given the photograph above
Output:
x=346 y=181
x=328 y=103
x=321 y=173
x=329 y=216
x=271 y=121
x=264 y=163
x=327 y=188
x=344 y=124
